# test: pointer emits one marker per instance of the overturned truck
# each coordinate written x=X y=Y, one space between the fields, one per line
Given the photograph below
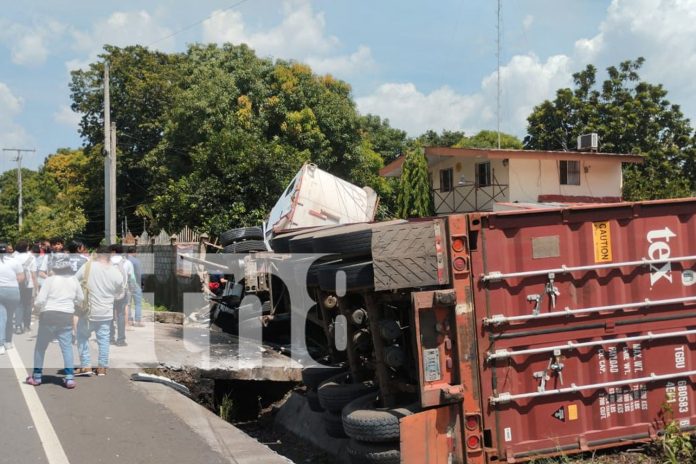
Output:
x=502 y=336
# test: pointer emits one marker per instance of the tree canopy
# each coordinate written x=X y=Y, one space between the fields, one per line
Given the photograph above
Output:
x=630 y=116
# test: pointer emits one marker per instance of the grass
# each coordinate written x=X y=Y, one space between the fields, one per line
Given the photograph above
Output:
x=225 y=408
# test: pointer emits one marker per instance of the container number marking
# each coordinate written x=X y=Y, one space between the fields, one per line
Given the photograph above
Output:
x=601 y=236
x=431 y=364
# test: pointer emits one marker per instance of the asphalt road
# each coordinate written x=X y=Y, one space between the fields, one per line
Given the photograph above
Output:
x=104 y=420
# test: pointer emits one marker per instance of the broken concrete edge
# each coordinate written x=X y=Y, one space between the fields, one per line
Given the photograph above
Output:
x=169 y=317
x=296 y=417
x=224 y=438
x=142 y=377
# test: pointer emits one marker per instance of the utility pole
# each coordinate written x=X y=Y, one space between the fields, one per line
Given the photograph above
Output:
x=19 y=152
x=109 y=165
x=497 y=55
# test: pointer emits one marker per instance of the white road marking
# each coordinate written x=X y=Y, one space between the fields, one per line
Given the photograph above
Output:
x=47 y=434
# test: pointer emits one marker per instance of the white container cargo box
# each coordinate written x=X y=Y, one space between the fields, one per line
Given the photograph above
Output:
x=316 y=198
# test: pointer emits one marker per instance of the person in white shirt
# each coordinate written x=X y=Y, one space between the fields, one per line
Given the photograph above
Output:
x=56 y=302
x=105 y=283
x=27 y=288
x=125 y=267
x=11 y=274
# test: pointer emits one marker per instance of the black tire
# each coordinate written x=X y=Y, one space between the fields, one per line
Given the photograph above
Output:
x=247 y=246
x=312 y=377
x=359 y=276
x=337 y=391
x=333 y=425
x=362 y=421
x=373 y=453
x=313 y=401
x=242 y=233
x=355 y=240
x=301 y=244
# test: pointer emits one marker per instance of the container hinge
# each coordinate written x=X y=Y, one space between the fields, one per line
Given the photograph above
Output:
x=536 y=298
x=552 y=290
x=496 y=319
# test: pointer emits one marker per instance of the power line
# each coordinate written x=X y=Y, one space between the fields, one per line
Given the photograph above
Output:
x=192 y=25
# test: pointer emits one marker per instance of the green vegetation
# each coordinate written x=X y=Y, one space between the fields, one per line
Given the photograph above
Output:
x=414 y=198
x=226 y=408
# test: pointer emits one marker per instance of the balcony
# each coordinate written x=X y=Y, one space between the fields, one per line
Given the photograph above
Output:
x=468 y=197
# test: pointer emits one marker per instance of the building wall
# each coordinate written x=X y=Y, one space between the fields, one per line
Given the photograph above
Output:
x=531 y=179
x=462 y=198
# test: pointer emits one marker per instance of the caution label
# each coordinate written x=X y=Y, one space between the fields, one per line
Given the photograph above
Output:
x=559 y=414
x=601 y=235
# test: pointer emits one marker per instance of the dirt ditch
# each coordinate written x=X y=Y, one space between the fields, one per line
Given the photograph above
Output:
x=251 y=406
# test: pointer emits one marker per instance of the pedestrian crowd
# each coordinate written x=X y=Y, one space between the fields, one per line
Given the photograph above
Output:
x=72 y=294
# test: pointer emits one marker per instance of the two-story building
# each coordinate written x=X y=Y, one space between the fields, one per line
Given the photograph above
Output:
x=471 y=179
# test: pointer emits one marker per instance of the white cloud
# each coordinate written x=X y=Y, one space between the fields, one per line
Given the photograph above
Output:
x=11 y=133
x=122 y=28
x=67 y=117
x=525 y=81
x=29 y=45
x=527 y=22
x=301 y=35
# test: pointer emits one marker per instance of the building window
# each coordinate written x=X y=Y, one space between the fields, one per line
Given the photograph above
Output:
x=446 y=176
x=570 y=172
x=483 y=174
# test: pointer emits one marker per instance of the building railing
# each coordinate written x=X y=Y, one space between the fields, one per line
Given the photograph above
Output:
x=468 y=197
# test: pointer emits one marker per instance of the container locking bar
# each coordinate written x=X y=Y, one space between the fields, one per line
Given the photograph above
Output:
x=497 y=275
x=500 y=319
x=571 y=345
x=509 y=397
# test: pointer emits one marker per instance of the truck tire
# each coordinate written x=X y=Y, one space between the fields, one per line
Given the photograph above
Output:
x=312 y=377
x=359 y=276
x=242 y=233
x=313 y=401
x=362 y=421
x=333 y=424
x=337 y=391
x=248 y=245
x=373 y=453
x=349 y=244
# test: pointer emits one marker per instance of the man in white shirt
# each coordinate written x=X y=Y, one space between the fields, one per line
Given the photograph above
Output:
x=27 y=289
x=105 y=283
x=125 y=267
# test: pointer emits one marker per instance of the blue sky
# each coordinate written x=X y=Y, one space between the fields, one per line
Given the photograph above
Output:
x=424 y=65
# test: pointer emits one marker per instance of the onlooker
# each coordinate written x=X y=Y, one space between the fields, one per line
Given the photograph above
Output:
x=118 y=336
x=11 y=274
x=10 y=250
x=104 y=282
x=41 y=254
x=27 y=288
x=136 y=318
x=56 y=246
x=56 y=302
x=76 y=249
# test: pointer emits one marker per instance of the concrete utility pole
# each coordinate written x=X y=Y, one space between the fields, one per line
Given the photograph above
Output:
x=109 y=165
x=497 y=55
x=19 y=152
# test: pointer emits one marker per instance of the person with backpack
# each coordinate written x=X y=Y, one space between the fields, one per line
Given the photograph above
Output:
x=125 y=267
x=11 y=274
x=27 y=289
x=56 y=302
x=101 y=282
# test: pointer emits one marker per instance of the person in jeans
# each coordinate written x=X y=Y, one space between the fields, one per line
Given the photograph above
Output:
x=125 y=268
x=27 y=288
x=11 y=274
x=104 y=282
x=56 y=302
x=137 y=317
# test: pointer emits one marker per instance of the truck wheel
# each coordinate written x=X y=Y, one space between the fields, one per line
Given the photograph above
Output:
x=373 y=453
x=364 y=422
x=355 y=243
x=312 y=377
x=333 y=424
x=247 y=246
x=242 y=233
x=313 y=401
x=338 y=391
x=359 y=276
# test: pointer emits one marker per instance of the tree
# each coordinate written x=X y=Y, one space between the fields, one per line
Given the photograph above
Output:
x=630 y=116
x=446 y=138
x=489 y=139
x=414 y=198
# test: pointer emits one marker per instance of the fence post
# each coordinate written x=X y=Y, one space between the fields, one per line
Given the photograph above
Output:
x=173 y=279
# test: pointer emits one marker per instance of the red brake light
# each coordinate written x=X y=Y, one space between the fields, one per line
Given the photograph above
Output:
x=458 y=245
x=459 y=263
x=472 y=423
x=473 y=441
